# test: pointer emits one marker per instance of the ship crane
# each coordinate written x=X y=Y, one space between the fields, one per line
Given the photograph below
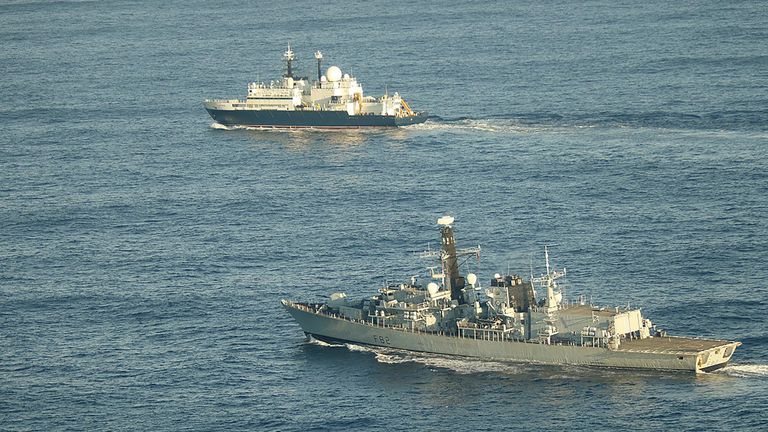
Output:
x=406 y=108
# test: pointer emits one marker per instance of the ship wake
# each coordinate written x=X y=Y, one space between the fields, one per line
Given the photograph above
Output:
x=460 y=365
x=494 y=126
x=745 y=370
x=219 y=126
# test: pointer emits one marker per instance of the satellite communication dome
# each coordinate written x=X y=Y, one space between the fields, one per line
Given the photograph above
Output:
x=472 y=279
x=432 y=288
x=333 y=73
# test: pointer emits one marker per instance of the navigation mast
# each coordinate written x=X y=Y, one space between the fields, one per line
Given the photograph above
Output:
x=319 y=58
x=288 y=56
x=552 y=302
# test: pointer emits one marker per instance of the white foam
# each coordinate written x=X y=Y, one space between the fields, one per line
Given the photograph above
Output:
x=359 y=348
x=314 y=341
x=219 y=126
x=461 y=365
x=746 y=370
x=465 y=366
x=472 y=125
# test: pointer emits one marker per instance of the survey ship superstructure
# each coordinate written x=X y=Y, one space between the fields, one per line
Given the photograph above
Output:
x=515 y=320
x=334 y=101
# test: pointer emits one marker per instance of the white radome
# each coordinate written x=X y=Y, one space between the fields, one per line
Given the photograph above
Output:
x=333 y=73
x=432 y=288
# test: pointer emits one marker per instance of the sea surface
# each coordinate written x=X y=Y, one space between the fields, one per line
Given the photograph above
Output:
x=144 y=251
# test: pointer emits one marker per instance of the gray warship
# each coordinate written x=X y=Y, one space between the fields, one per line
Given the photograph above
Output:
x=333 y=101
x=515 y=320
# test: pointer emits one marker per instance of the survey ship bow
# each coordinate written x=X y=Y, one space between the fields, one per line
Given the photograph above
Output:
x=333 y=101
x=511 y=319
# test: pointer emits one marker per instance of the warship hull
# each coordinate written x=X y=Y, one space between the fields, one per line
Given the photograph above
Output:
x=296 y=119
x=657 y=353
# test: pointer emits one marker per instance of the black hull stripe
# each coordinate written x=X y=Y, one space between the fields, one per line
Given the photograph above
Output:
x=309 y=119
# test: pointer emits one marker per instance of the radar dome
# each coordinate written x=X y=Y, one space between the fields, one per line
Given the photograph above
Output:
x=432 y=288
x=333 y=73
x=472 y=279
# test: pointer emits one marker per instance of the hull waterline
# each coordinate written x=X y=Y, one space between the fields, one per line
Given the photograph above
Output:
x=339 y=329
x=309 y=119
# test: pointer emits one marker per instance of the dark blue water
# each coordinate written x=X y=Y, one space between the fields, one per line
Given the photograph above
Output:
x=143 y=253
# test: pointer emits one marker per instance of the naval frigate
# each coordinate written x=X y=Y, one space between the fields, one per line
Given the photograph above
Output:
x=334 y=101
x=511 y=319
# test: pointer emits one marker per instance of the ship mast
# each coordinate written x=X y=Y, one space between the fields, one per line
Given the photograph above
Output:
x=552 y=302
x=288 y=56
x=454 y=282
x=319 y=58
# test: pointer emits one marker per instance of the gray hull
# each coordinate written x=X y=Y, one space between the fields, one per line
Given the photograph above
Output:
x=309 y=119
x=698 y=355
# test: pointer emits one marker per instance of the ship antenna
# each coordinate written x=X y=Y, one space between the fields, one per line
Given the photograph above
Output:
x=288 y=56
x=530 y=264
x=319 y=57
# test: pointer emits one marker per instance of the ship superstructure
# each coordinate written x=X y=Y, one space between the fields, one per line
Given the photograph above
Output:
x=511 y=319
x=333 y=100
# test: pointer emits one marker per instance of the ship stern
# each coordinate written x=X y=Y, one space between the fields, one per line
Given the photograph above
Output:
x=715 y=358
x=416 y=118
